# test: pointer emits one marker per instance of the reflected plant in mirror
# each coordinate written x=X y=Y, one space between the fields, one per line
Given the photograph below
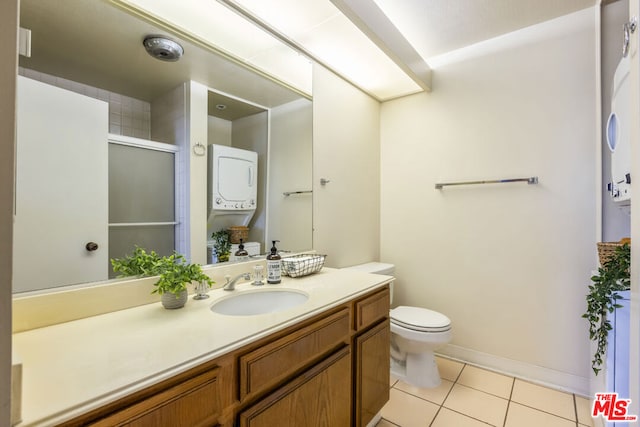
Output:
x=139 y=263
x=222 y=245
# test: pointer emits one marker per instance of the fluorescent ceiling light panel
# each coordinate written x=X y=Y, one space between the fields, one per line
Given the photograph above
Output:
x=217 y=26
x=373 y=22
x=321 y=30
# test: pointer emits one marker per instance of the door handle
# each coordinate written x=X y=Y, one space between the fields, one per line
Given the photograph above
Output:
x=91 y=246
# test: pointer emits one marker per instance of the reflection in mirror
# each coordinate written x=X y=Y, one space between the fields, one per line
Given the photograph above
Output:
x=236 y=169
x=92 y=52
x=141 y=199
x=290 y=176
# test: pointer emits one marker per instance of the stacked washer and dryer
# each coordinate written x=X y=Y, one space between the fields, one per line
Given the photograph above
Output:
x=416 y=333
x=232 y=193
x=618 y=135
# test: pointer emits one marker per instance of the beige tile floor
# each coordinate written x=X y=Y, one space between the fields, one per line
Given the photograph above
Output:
x=474 y=397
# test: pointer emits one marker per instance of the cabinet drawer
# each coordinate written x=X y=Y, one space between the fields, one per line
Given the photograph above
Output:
x=193 y=402
x=280 y=358
x=371 y=309
x=319 y=397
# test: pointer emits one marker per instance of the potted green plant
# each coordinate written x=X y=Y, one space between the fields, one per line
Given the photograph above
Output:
x=222 y=244
x=602 y=299
x=174 y=271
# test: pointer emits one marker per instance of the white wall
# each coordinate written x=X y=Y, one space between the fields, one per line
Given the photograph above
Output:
x=509 y=263
x=219 y=131
x=168 y=116
x=290 y=169
x=197 y=131
x=346 y=150
x=252 y=133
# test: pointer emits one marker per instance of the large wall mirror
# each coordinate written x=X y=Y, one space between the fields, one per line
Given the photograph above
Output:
x=140 y=105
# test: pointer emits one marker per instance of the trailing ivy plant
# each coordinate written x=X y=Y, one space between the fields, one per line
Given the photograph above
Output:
x=174 y=271
x=602 y=299
x=139 y=263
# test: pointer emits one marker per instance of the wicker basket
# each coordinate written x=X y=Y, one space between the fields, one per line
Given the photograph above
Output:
x=237 y=232
x=607 y=249
x=302 y=265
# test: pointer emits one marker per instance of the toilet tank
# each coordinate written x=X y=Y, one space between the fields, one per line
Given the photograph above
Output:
x=375 y=268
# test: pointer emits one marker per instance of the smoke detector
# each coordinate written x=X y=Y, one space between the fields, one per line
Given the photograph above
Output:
x=163 y=48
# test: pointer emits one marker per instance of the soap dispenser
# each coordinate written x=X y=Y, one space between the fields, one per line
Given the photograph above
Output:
x=241 y=254
x=273 y=265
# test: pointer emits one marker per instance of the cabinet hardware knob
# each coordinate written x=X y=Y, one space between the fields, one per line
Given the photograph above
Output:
x=91 y=246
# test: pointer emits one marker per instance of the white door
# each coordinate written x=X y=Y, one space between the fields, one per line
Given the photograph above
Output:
x=61 y=188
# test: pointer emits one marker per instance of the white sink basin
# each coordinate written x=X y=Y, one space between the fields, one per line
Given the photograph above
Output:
x=261 y=301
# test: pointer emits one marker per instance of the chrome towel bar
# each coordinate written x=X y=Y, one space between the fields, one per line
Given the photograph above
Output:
x=288 y=193
x=531 y=180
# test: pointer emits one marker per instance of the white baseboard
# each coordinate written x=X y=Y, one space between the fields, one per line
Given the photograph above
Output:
x=536 y=374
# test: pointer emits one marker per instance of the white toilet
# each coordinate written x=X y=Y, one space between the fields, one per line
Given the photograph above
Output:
x=415 y=334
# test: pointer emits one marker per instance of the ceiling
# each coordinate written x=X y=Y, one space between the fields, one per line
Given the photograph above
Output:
x=435 y=27
x=226 y=51
x=229 y=108
x=94 y=43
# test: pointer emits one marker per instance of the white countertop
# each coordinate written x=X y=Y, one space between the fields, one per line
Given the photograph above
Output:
x=73 y=367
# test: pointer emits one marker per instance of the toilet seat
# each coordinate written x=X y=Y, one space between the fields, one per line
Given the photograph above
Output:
x=420 y=319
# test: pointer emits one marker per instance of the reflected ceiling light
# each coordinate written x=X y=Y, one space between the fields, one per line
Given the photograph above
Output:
x=215 y=27
x=280 y=37
x=320 y=31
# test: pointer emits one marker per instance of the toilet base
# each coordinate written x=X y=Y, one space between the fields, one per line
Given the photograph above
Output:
x=419 y=370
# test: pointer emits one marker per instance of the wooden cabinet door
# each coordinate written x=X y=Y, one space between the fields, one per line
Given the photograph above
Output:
x=372 y=372
x=320 y=397
x=195 y=402
x=273 y=362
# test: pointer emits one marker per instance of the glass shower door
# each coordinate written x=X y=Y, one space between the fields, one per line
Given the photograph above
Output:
x=141 y=198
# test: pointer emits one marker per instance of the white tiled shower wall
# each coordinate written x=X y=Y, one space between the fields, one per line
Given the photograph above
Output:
x=170 y=125
x=127 y=116
x=168 y=115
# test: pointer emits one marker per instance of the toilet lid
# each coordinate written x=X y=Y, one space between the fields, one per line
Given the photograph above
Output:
x=420 y=319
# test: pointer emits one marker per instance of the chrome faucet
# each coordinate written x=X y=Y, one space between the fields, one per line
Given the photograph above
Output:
x=230 y=284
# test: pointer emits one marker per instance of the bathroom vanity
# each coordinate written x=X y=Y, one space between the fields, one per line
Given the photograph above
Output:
x=323 y=362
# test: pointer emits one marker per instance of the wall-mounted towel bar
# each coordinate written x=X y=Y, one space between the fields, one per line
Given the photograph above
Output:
x=140 y=224
x=288 y=193
x=531 y=180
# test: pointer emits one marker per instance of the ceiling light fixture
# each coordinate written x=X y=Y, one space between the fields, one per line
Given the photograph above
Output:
x=216 y=28
x=325 y=34
x=163 y=48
